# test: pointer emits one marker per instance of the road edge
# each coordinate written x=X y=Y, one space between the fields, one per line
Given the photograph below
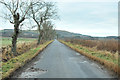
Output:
x=94 y=59
x=11 y=71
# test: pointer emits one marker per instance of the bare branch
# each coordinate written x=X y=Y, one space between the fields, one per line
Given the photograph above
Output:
x=17 y=6
x=22 y=20
x=7 y=6
x=11 y=22
x=27 y=9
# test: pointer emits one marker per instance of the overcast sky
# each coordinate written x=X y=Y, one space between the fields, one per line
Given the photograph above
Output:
x=88 y=17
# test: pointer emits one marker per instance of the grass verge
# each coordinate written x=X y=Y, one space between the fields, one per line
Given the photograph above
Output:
x=13 y=64
x=109 y=61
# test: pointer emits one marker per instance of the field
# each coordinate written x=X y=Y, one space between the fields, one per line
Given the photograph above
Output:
x=110 y=45
x=23 y=45
x=5 y=41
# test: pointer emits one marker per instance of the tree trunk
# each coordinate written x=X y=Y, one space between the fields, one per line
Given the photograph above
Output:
x=40 y=31
x=17 y=22
x=39 y=39
x=14 y=39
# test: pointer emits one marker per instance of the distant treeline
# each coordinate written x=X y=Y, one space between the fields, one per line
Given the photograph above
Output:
x=23 y=33
x=59 y=34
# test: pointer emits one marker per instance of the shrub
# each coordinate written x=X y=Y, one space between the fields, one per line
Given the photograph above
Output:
x=108 y=45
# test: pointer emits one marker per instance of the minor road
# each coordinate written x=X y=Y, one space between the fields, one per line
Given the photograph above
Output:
x=59 y=61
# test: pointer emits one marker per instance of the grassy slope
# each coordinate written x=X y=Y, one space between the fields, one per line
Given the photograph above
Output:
x=15 y=63
x=107 y=59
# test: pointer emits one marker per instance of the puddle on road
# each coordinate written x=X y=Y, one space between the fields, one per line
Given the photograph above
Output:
x=97 y=66
x=84 y=62
x=77 y=58
x=35 y=62
x=32 y=73
x=77 y=53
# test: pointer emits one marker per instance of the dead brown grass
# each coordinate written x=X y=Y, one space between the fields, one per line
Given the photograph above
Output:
x=21 y=48
x=108 y=45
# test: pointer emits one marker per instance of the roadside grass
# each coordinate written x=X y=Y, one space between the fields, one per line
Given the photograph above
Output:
x=105 y=58
x=13 y=64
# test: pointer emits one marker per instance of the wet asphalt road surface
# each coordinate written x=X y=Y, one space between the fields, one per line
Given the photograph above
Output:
x=59 y=61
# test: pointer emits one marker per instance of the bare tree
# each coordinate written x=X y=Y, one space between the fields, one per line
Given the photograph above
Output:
x=16 y=14
x=41 y=12
x=49 y=32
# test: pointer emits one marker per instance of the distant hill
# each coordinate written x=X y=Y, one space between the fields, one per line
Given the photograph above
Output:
x=66 y=34
x=59 y=34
